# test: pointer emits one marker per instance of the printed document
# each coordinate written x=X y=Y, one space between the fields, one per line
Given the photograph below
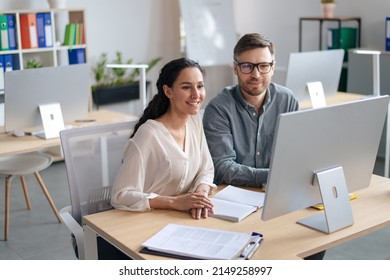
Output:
x=199 y=243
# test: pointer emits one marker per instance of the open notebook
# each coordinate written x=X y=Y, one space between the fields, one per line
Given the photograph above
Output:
x=234 y=204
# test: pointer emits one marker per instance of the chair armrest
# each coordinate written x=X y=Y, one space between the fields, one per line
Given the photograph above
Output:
x=74 y=228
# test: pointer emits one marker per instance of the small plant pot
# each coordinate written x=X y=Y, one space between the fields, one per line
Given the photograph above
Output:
x=328 y=10
x=57 y=4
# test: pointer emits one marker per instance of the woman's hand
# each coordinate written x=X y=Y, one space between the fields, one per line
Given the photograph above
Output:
x=198 y=203
x=197 y=213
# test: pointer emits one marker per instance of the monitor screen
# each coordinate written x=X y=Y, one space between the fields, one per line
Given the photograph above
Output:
x=26 y=89
x=317 y=66
x=310 y=143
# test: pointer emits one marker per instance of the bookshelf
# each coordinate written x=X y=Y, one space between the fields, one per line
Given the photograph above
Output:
x=51 y=52
x=339 y=24
x=341 y=32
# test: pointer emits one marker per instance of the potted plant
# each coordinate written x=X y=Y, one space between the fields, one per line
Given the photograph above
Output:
x=116 y=84
x=328 y=7
x=57 y=4
x=32 y=63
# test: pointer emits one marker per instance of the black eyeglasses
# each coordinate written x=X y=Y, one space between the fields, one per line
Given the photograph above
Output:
x=247 y=67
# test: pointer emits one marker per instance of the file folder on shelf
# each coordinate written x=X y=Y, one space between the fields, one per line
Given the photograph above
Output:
x=11 y=20
x=28 y=31
x=48 y=29
x=70 y=34
x=76 y=56
x=387 y=34
x=8 y=62
x=74 y=34
x=41 y=30
x=342 y=38
x=82 y=33
x=4 y=33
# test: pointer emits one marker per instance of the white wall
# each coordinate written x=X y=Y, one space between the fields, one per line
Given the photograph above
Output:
x=279 y=20
x=149 y=28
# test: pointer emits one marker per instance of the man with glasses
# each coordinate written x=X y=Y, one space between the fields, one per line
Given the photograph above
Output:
x=240 y=122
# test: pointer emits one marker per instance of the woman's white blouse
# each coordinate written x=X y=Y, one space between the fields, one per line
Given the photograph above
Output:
x=154 y=164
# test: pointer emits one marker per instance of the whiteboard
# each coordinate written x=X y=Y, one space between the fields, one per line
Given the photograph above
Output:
x=209 y=28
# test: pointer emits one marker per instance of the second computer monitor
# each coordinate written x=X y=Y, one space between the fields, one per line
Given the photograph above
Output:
x=317 y=66
x=26 y=90
x=321 y=155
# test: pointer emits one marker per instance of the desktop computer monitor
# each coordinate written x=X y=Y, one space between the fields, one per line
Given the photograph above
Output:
x=317 y=66
x=320 y=156
x=26 y=90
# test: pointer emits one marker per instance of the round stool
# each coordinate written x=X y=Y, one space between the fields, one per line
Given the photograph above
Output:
x=21 y=165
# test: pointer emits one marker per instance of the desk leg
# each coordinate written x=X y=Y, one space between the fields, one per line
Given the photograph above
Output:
x=387 y=148
x=90 y=243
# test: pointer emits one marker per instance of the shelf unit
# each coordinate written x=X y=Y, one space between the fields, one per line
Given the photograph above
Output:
x=57 y=55
x=339 y=21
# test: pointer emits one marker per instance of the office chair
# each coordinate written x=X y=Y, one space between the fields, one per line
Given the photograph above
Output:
x=22 y=165
x=92 y=157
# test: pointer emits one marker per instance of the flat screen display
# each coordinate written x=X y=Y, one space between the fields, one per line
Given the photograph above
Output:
x=26 y=90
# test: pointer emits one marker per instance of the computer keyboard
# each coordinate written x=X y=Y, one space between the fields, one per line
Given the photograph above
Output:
x=41 y=132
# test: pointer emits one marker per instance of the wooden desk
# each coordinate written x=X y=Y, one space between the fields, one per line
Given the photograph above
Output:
x=10 y=144
x=340 y=97
x=283 y=238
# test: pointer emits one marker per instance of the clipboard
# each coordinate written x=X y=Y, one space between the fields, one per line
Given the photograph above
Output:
x=246 y=254
x=148 y=251
x=252 y=246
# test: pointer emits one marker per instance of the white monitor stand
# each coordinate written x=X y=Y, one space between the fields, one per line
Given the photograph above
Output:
x=52 y=120
x=317 y=95
x=334 y=193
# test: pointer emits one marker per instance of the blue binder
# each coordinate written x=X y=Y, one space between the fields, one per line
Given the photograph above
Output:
x=2 y=68
x=8 y=62
x=48 y=29
x=76 y=56
x=12 y=32
x=387 y=34
x=41 y=30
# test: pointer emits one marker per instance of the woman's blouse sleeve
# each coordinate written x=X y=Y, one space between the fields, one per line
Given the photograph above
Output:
x=128 y=189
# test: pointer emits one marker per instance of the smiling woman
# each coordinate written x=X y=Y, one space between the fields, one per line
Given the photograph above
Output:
x=186 y=95
x=169 y=140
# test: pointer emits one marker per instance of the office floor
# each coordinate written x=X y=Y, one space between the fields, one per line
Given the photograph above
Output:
x=37 y=235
